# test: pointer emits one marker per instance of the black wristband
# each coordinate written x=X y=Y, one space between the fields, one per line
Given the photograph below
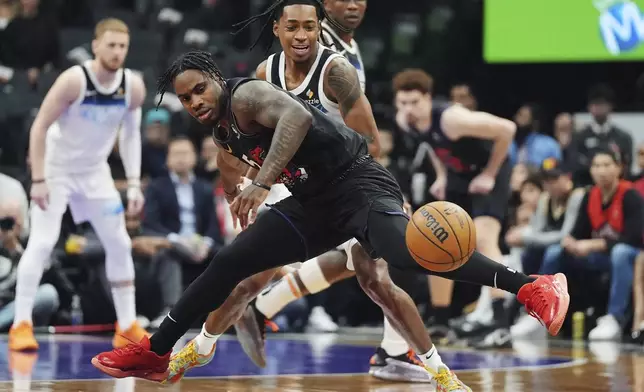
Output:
x=260 y=185
x=38 y=181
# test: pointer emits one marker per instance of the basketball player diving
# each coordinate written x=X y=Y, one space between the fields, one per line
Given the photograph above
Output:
x=71 y=138
x=338 y=192
x=324 y=79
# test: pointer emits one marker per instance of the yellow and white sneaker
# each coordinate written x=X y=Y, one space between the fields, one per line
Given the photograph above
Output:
x=185 y=360
x=446 y=381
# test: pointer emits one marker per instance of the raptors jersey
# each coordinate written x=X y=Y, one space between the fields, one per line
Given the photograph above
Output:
x=84 y=135
x=311 y=90
x=350 y=51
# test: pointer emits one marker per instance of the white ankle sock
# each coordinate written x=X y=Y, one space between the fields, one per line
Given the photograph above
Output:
x=276 y=297
x=125 y=306
x=392 y=342
x=432 y=359
x=205 y=341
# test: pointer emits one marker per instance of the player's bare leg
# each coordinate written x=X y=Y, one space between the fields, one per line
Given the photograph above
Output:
x=200 y=351
x=401 y=312
x=314 y=276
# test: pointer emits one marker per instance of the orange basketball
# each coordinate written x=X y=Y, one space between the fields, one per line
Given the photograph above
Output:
x=441 y=236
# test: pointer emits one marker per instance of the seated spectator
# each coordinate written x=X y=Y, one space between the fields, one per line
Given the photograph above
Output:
x=46 y=301
x=530 y=146
x=155 y=143
x=12 y=192
x=207 y=167
x=599 y=134
x=530 y=191
x=182 y=208
x=556 y=214
x=30 y=41
x=606 y=237
x=564 y=131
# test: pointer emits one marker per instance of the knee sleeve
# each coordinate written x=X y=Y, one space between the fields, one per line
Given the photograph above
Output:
x=312 y=277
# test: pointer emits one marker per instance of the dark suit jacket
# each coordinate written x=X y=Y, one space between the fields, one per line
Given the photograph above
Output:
x=161 y=211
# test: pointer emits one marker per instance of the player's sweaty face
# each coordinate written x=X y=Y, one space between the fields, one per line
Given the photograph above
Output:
x=199 y=95
x=111 y=49
x=349 y=13
x=298 y=31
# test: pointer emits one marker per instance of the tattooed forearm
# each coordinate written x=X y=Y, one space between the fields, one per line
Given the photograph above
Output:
x=274 y=109
x=343 y=81
x=289 y=134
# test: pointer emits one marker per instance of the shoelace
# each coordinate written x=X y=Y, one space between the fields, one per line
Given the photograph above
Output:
x=132 y=348
x=538 y=303
x=187 y=356
x=447 y=380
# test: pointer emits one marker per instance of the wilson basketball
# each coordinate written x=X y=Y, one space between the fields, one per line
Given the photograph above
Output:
x=441 y=236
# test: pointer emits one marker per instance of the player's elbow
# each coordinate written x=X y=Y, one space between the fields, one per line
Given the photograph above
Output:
x=506 y=129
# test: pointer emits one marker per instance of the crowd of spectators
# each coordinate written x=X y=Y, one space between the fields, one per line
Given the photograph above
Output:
x=186 y=220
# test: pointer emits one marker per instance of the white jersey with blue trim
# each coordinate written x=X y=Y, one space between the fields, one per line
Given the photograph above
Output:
x=83 y=136
x=350 y=51
x=311 y=89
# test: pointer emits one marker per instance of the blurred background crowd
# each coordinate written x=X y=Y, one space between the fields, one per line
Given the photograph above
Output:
x=564 y=114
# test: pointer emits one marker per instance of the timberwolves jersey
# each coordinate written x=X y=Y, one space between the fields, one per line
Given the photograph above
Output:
x=311 y=90
x=327 y=150
x=84 y=135
x=350 y=51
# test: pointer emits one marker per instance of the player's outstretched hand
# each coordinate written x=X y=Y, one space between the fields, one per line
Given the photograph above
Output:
x=40 y=194
x=247 y=203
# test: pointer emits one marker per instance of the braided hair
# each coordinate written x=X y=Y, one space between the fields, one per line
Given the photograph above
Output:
x=274 y=13
x=197 y=60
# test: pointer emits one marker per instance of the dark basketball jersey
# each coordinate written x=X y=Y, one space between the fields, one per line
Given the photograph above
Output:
x=465 y=157
x=311 y=90
x=328 y=149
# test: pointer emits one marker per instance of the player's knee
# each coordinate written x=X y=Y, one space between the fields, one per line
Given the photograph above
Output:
x=487 y=232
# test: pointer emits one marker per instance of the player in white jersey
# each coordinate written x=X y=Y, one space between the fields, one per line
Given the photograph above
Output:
x=329 y=82
x=71 y=138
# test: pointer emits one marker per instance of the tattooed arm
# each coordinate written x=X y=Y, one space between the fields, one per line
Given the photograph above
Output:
x=273 y=108
x=341 y=84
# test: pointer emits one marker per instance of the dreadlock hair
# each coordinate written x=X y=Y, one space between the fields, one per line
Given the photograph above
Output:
x=197 y=60
x=274 y=13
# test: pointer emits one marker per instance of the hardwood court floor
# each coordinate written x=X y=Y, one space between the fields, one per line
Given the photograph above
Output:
x=333 y=363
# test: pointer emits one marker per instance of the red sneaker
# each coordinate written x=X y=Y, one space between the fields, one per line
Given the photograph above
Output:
x=133 y=360
x=547 y=300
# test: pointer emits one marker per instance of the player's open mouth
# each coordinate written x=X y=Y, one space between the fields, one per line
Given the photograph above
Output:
x=301 y=49
x=204 y=115
x=352 y=18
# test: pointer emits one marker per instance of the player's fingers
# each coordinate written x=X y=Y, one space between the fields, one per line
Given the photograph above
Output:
x=244 y=211
x=233 y=212
x=253 y=212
